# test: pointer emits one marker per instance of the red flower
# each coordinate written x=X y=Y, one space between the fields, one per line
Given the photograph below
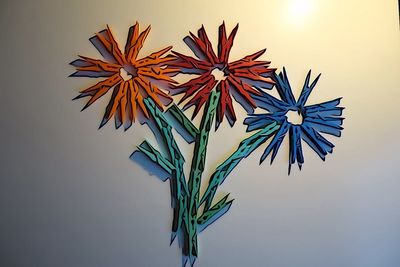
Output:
x=239 y=78
x=132 y=79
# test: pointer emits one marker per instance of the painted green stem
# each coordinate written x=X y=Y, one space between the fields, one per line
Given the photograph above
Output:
x=246 y=147
x=197 y=168
x=212 y=214
x=174 y=163
x=185 y=123
x=155 y=156
x=185 y=196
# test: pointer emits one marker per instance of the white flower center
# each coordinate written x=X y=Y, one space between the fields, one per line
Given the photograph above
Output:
x=294 y=117
x=218 y=74
x=124 y=74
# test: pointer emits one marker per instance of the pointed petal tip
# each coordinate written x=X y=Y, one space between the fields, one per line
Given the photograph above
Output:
x=216 y=126
x=103 y=122
x=184 y=261
x=85 y=107
x=262 y=51
x=127 y=127
x=118 y=125
x=72 y=62
x=77 y=97
x=180 y=101
x=193 y=115
x=232 y=123
x=192 y=261
x=173 y=236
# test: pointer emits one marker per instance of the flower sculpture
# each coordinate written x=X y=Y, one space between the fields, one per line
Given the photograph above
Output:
x=139 y=84
x=214 y=71
x=130 y=78
x=319 y=118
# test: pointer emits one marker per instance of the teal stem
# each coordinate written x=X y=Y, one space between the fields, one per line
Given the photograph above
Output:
x=197 y=168
x=245 y=148
x=174 y=163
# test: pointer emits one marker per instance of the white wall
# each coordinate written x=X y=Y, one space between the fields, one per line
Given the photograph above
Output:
x=70 y=195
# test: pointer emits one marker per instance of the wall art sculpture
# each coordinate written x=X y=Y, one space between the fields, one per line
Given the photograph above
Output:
x=141 y=90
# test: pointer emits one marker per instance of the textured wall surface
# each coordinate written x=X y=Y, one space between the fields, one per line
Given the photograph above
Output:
x=70 y=196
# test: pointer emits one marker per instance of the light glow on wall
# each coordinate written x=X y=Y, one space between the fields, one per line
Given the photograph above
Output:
x=299 y=10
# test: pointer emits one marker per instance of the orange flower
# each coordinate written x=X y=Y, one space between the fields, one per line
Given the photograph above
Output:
x=132 y=79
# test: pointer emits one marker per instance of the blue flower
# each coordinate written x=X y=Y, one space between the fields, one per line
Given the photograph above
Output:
x=316 y=119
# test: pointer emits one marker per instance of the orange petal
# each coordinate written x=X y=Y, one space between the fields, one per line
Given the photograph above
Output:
x=134 y=50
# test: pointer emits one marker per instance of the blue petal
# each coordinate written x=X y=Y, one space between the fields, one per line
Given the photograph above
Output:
x=295 y=149
x=307 y=89
x=316 y=141
x=270 y=103
x=328 y=125
x=323 y=113
x=323 y=106
x=284 y=89
x=259 y=121
x=276 y=141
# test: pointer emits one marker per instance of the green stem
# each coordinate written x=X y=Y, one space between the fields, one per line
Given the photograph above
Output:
x=246 y=147
x=174 y=163
x=197 y=169
x=183 y=121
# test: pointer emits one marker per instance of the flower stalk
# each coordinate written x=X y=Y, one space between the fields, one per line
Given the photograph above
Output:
x=197 y=168
x=245 y=148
